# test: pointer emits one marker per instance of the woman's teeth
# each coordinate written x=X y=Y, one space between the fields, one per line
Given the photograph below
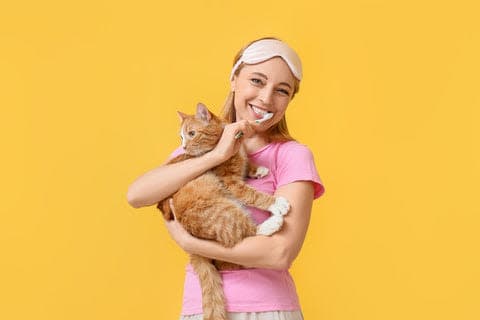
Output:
x=259 y=111
x=265 y=115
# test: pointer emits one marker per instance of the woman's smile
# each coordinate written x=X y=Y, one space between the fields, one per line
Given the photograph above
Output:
x=258 y=113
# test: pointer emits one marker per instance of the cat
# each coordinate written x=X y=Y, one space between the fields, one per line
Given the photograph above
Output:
x=210 y=206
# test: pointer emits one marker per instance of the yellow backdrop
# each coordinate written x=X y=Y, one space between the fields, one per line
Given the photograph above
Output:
x=389 y=105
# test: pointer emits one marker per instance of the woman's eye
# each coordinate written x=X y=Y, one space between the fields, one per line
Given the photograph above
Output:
x=191 y=133
x=283 y=91
x=256 y=81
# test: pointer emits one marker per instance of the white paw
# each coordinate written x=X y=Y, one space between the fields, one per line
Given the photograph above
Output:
x=261 y=172
x=280 y=207
x=270 y=226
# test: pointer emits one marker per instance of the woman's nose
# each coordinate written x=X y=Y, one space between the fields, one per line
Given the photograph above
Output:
x=266 y=96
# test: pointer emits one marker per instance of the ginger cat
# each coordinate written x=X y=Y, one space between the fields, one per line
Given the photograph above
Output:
x=210 y=206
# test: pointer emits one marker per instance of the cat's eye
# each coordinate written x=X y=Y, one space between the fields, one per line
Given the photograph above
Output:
x=191 y=133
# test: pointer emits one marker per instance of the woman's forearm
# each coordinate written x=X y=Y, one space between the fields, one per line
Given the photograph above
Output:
x=255 y=252
x=157 y=184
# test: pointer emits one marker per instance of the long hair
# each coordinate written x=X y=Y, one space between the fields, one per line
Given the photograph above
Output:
x=278 y=132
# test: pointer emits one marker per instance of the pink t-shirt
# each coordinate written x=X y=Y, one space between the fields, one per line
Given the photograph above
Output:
x=253 y=289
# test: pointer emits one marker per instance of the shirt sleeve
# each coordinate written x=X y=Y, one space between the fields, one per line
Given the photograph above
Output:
x=295 y=162
x=176 y=152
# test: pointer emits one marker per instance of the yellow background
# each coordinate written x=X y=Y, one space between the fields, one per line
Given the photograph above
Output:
x=389 y=105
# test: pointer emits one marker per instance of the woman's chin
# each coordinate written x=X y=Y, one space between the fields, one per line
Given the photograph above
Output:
x=261 y=129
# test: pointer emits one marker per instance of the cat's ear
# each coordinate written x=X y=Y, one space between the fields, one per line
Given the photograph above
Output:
x=203 y=113
x=181 y=115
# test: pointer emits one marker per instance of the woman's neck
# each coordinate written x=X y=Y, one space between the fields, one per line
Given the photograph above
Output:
x=254 y=143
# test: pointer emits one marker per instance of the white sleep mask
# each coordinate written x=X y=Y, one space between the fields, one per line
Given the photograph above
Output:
x=265 y=49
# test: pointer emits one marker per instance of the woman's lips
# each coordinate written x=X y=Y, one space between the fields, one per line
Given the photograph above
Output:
x=258 y=113
x=266 y=117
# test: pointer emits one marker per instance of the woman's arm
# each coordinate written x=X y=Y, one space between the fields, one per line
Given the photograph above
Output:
x=157 y=184
x=275 y=252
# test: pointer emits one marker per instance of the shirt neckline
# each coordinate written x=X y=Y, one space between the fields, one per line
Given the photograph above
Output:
x=254 y=153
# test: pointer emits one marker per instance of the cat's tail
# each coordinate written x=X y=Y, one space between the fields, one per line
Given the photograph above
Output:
x=213 y=300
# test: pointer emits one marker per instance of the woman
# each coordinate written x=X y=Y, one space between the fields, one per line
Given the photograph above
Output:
x=264 y=79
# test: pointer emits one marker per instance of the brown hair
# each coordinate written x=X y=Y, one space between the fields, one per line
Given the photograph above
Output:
x=278 y=132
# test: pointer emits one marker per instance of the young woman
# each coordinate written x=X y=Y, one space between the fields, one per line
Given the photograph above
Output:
x=264 y=79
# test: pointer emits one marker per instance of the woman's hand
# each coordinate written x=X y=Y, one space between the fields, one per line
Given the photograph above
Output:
x=231 y=139
x=178 y=232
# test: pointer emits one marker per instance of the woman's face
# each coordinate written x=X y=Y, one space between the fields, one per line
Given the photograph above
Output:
x=263 y=87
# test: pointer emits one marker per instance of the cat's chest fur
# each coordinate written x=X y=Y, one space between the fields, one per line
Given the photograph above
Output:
x=235 y=167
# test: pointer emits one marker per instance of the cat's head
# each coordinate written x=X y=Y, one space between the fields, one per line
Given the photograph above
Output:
x=200 y=132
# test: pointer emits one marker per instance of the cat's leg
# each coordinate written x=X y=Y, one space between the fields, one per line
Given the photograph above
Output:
x=236 y=225
x=233 y=224
x=278 y=206
x=275 y=221
x=248 y=195
x=218 y=218
x=222 y=220
x=270 y=226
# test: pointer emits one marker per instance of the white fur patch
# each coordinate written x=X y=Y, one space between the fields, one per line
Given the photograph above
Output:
x=184 y=140
x=270 y=226
x=280 y=207
x=261 y=172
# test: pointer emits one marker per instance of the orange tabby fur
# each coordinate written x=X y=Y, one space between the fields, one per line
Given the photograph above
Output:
x=206 y=207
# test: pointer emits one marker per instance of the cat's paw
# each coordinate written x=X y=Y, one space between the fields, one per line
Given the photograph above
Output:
x=280 y=207
x=259 y=173
x=270 y=226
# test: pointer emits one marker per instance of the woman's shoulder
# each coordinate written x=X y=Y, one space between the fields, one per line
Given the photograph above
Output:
x=295 y=162
x=292 y=144
x=292 y=149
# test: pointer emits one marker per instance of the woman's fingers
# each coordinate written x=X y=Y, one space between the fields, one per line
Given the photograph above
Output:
x=178 y=233
x=245 y=127
x=232 y=138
